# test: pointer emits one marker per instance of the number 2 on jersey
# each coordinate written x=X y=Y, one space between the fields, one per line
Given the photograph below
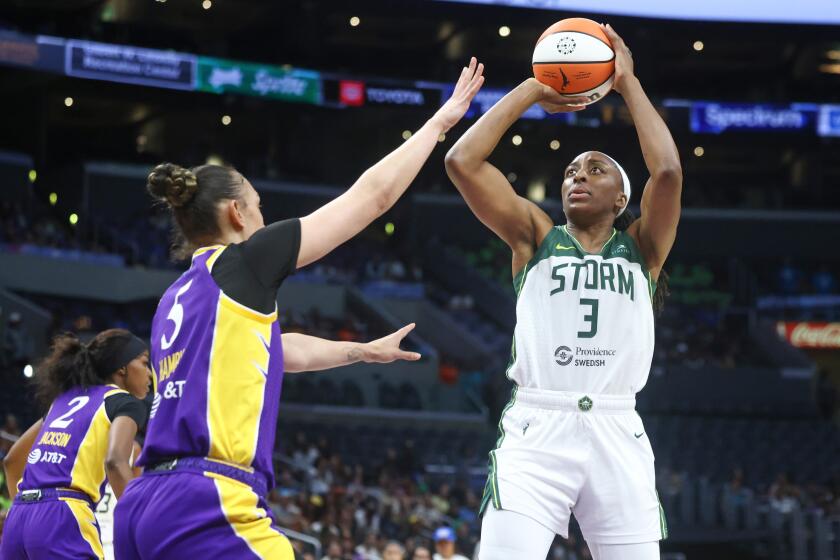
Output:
x=176 y=315
x=63 y=421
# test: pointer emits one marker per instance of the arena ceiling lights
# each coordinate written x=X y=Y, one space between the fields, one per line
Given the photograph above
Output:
x=820 y=12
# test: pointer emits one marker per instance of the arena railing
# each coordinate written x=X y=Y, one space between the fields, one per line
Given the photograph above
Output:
x=304 y=538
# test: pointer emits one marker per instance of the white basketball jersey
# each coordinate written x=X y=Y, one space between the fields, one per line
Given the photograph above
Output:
x=584 y=322
x=105 y=516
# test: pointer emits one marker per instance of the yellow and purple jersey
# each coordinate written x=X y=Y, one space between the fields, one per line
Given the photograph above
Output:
x=218 y=369
x=71 y=446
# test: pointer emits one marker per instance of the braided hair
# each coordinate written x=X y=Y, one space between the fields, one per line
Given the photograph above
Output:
x=192 y=196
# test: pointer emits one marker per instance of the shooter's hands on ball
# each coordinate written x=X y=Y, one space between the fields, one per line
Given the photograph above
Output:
x=623 y=59
x=387 y=349
x=468 y=85
x=552 y=102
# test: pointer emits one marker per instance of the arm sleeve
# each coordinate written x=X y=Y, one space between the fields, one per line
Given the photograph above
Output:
x=251 y=272
x=123 y=404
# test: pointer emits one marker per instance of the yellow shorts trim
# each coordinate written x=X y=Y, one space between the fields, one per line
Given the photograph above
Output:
x=250 y=522
x=87 y=524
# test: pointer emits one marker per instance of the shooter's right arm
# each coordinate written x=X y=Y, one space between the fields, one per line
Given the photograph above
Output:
x=516 y=220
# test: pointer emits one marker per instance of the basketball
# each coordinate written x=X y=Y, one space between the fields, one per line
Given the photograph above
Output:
x=575 y=57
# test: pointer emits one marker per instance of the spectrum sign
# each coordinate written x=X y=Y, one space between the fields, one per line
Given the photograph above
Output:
x=715 y=118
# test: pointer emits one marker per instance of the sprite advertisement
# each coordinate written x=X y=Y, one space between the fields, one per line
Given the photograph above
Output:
x=219 y=75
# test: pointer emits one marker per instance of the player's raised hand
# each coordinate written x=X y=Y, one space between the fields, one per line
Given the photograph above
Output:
x=553 y=102
x=467 y=86
x=623 y=58
x=387 y=349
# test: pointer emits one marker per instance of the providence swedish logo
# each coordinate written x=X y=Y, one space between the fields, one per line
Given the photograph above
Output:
x=563 y=355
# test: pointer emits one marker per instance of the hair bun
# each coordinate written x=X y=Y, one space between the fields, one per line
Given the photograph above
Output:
x=172 y=183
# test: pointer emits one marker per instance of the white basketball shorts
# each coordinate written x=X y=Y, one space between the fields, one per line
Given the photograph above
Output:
x=561 y=453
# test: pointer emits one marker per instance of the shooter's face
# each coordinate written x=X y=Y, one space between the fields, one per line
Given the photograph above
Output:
x=592 y=186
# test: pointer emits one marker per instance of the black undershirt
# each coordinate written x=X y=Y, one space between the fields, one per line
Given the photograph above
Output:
x=124 y=404
x=251 y=272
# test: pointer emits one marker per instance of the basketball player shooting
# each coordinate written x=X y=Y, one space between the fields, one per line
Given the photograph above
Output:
x=570 y=439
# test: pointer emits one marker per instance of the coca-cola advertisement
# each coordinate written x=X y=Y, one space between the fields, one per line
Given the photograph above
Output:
x=810 y=335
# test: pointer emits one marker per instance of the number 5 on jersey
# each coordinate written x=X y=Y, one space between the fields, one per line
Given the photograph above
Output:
x=176 y=315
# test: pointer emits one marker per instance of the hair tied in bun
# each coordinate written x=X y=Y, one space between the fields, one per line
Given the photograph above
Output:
x=172 y=183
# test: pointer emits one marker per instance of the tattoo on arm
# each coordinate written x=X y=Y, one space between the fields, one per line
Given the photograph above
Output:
x=354 y=355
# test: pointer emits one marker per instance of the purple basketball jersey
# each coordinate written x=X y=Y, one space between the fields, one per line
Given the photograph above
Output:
x=70 y=449
x=218 y=367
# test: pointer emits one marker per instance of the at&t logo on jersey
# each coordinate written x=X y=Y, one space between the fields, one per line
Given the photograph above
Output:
x=38 y=456
x=155 y=405
x=171 y=390
x=53 y=457
x=34 y=456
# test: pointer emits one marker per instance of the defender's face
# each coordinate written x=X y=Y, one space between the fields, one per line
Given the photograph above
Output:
x=250 y=209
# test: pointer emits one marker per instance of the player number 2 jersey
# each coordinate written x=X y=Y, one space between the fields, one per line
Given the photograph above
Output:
x=584 y=321
x=70 y=449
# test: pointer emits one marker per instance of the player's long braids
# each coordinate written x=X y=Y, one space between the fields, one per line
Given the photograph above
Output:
x=72 y=363
x=622 y=223
x=192 y=196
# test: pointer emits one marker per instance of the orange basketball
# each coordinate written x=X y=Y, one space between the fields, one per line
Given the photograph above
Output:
x=575 y=57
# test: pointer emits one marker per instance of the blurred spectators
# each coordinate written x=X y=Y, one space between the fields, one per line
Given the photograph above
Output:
x=369 y=549
x=784 y=495
x=17 y=348
x=445 y=545
x=10 y=432
x=393 y=551
x=700 y=336
x=358 y=510
x=421 y=553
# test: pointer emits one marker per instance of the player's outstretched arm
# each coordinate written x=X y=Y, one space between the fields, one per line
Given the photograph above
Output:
x=118 y=458
x=308 y=353
x=657 y=227
x=516 y=220
x=15 y=460
x=381 y=186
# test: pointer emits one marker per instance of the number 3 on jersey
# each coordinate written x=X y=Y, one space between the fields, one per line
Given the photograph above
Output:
x=591 y=318
x=176 y=315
